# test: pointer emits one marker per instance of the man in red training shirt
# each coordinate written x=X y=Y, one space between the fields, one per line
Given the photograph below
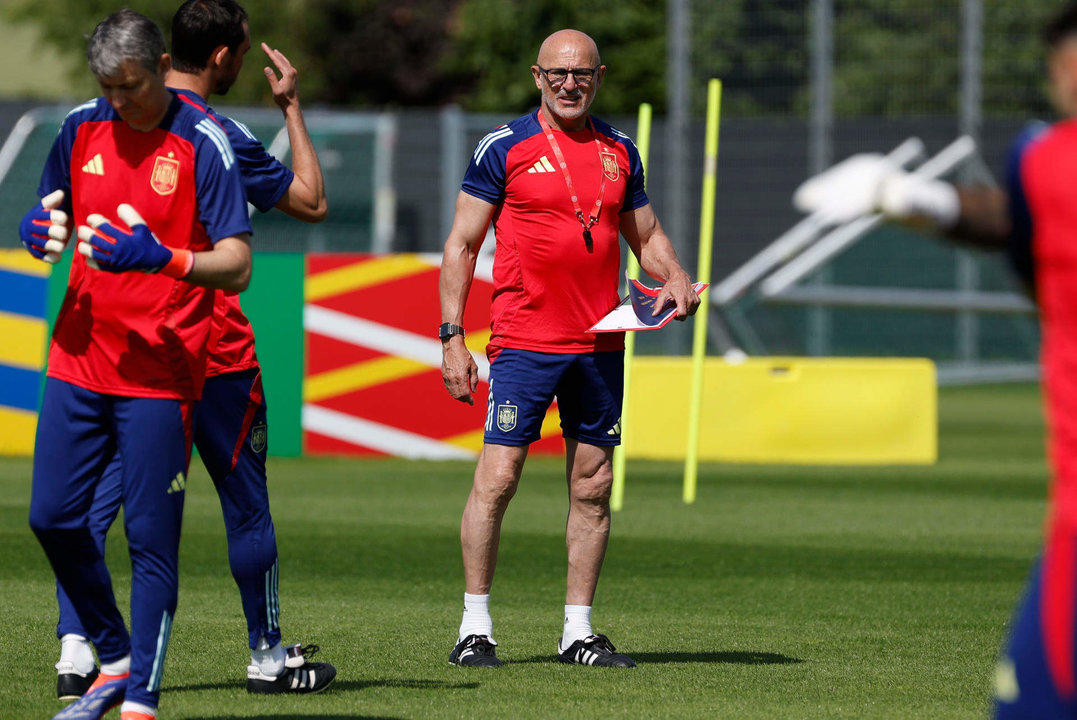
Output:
x=559 y=185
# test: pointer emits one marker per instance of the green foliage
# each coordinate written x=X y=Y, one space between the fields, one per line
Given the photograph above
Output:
x=892 y=57
x=903 y=57
x=759 y=50
x=379 y=53
x=67 y=24
x=496 y=42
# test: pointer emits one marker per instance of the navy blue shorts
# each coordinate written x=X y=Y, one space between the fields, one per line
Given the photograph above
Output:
x=523 y=384
x=1036 y=676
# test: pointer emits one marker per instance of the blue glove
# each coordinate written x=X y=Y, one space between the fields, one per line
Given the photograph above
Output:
x=43 y=229
x=109 y=248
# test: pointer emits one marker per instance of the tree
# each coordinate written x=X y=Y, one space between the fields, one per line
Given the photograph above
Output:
x=892 y=57
x=381 y=53
x=495 y=42
x=67 y=24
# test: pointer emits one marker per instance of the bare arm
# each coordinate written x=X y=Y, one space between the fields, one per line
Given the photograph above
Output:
x=226 y=267
x=305 y=199
x=458 y=368
x=653 y=249
x=985 y=218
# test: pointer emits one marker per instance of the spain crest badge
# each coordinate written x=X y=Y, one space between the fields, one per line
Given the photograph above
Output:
x=506 y=417
x=609 y=165
x=165 y=175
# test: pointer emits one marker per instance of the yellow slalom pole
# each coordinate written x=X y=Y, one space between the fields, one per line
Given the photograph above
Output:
x=617 y=496
x=706 y=241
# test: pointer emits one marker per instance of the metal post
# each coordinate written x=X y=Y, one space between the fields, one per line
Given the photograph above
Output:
x=453 y=163
x=821 y=152
x=678 y=127
x=968 y=267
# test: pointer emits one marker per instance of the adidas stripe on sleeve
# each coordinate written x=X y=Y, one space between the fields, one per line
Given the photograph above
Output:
x=222 y=204
x=485 y=176
x=265 y=179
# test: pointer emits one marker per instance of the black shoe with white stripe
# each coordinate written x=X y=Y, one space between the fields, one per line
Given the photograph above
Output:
x=594 y=650
x=70 y=683
x=300 y=675
x=475 y=651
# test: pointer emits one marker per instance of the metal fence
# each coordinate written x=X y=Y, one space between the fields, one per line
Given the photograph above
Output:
x=811 y=87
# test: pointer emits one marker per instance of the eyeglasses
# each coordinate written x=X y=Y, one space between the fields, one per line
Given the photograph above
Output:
x=557 y=76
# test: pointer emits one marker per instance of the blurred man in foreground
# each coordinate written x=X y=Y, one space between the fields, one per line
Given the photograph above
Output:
x=1035 y=220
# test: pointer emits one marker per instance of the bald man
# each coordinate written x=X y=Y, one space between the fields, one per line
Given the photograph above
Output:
x=559 y=185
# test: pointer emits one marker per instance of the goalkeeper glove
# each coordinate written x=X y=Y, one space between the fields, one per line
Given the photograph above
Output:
x=869 y=183
x=44 y=229
x=109 y=248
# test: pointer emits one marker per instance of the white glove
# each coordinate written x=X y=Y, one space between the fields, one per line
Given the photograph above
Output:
x=845 y=191
x=869 y=183
x=908 y=196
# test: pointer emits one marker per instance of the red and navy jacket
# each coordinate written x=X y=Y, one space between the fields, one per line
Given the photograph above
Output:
x=137 y=334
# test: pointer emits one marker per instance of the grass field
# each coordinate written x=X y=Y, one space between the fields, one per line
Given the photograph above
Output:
x=782 y=593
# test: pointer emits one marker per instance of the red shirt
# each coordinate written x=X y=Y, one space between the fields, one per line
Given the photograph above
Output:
x=549 y=287
x=1048 y=175
x=231 y=346
x=136 y=334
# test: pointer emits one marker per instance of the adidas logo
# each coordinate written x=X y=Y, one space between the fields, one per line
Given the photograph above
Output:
x=179 y=484
x=542 y=166
x=95 y=167
x=615 y=430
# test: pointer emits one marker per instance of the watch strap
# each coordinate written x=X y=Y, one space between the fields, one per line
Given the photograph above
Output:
x=447 y=330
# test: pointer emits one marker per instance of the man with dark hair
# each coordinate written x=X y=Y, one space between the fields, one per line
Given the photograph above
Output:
x=1034 y=219
x=209 y=40
x=128 y=354
x=200 y=27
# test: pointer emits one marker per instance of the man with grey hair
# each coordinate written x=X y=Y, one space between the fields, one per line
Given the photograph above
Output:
x=559 y=185
x=209 y=41
x=153 y=187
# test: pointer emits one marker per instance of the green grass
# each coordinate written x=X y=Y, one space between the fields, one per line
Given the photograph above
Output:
x=783 y=592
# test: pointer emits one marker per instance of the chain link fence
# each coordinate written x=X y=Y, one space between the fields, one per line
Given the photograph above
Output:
x=805 y=84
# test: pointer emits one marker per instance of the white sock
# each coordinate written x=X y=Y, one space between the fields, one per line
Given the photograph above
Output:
x=577 y=624
x=76 y=650
x=270 y=660
x=120 y=667
x=129 y=706
x=477 y=620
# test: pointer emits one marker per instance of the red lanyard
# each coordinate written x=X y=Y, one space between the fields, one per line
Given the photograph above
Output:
x=593 y=216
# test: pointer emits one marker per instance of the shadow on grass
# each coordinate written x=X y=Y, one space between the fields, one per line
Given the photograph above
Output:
x=731 y=658
x=347 y=685
x=294 y=716
x=403 y=683
x=663 y=658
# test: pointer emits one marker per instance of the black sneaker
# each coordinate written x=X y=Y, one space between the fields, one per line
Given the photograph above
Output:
x=475 y=651
x=107 y=692
x=594 y=650
x=300 y=675
x=70 y=683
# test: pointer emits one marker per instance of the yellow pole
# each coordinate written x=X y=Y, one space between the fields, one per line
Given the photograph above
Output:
x=706 y=241
x=617 y=496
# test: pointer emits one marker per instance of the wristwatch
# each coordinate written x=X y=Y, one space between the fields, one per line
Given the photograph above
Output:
x=447 y=330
